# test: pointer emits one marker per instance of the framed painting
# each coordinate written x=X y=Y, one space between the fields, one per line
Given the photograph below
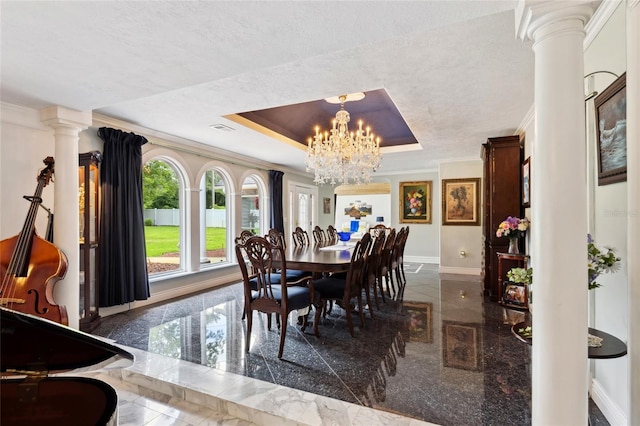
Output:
x=461 y=201
x=326 y=205
x=611 y=132
x=462 y=345
x=415 y=202
x=526 y=183
x=420 y=321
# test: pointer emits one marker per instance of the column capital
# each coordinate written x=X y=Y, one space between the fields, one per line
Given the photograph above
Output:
x=57 y=116
x=531 y=15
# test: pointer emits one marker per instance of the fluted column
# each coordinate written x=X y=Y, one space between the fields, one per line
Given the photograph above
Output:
x=67 y=124
x=559 y=211
x=633 y=205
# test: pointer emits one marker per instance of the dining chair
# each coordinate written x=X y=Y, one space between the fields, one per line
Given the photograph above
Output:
x=401 y=254
x=319 y=236
x=300 y=237
x=395 y=261
x=385 y=260
x=372 y=267
x=280 y=299
x=343 y=290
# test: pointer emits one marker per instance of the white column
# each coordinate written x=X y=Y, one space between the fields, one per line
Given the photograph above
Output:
x=67 y=124
x=559 y=211
x=633 y=205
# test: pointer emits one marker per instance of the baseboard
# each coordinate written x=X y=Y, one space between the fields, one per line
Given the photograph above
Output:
x=459 y=270
x=173 y=293
x=422 y=259
x=609 y=408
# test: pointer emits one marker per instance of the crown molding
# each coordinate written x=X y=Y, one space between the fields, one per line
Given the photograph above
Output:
x=188 y=146
x=599 y=19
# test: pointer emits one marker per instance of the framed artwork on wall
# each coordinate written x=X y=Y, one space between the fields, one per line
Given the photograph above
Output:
x=326 y=205
x=461 y=201
x=611 y=132
x=526 y=183
x=415 y=202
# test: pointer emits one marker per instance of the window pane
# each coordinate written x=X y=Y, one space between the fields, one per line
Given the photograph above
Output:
x=214 y=237
x=161 y=201
x=250 y=206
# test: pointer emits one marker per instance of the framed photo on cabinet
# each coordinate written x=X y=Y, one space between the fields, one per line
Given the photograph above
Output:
x=461 y=201
x=415 y=202
x=526 y=183
x=611 y=132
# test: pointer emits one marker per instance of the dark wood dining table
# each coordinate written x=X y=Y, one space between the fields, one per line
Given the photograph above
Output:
x=319 y=258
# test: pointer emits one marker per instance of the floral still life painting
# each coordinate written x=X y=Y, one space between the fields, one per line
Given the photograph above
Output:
x=415 y=202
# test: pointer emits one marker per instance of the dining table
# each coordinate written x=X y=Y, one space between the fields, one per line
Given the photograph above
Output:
x=319 y=258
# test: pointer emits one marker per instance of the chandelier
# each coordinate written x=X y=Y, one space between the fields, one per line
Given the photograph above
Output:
x=343 y=157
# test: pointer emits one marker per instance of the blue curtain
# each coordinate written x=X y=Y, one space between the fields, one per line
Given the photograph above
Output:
x=275 y=197
x=122 y=253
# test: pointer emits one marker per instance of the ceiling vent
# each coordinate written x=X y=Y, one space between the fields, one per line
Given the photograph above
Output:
x=222 y=127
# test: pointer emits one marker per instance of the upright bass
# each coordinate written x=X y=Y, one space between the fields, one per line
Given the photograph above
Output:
x=30 y=266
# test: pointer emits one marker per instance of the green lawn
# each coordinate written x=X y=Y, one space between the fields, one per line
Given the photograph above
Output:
x=164 y=239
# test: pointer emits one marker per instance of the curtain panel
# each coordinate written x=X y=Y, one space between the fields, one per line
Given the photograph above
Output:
x=275 y=197
x=122 y=259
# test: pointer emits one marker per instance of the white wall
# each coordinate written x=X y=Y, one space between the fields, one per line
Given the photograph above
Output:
x=453 y=239
x=25 y=142
x=609 y=308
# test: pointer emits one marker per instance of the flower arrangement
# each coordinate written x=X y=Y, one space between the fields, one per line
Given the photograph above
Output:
x=414 y=202
x=513 y=227
x=520 y=275
x=600 y=261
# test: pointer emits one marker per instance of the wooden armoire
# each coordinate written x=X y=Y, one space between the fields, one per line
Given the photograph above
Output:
x=502 y=158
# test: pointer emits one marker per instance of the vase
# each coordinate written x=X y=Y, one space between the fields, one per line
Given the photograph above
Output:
x=513 y=245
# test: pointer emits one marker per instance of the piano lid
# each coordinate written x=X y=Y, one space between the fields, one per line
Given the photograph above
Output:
x=35 y=344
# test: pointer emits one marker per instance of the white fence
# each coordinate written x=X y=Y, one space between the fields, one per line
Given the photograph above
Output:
x=216 y=218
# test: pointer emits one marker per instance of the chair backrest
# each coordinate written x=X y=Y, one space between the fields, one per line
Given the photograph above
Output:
x=387 y=251
x=257 y=254
x=300 y=237
x=276 y=238
x=244 y=236
x=374 y=258
x=378 y=230
x=398 y=246
x=332 y=234
x=319 y=235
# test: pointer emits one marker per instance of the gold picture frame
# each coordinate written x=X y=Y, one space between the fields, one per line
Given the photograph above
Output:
x=415 y=202
x=461 y=201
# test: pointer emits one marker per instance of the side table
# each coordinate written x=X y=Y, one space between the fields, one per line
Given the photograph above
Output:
x=612 y=347
x=506 y=261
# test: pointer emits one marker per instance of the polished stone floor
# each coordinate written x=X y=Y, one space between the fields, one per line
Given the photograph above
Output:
x=436 y=352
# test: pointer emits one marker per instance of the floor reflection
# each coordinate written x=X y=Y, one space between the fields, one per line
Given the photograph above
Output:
x=437 y=352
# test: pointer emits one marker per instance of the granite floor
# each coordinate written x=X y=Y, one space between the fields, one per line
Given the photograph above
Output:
x=435 y=352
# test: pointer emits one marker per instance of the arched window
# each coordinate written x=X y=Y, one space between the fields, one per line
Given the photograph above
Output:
x=162 y=186
x=251 y=218
x=214 y=218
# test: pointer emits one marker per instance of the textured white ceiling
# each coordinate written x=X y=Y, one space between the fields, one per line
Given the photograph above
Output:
x=454 y=69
